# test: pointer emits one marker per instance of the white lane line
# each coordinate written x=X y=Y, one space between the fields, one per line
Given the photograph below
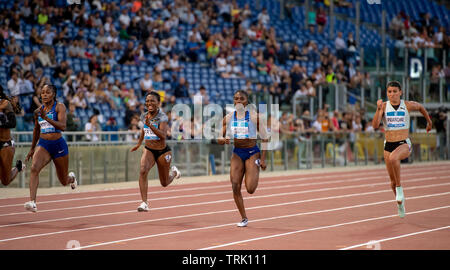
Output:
x=221 y=212
x=262 y=183
x=225 y=192
x=279 y=217
x=396 y=237
x=228 y=200
x=249 y=208
x=322 y=227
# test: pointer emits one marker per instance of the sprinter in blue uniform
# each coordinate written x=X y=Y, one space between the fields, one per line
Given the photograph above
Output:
x=397 y=146
x=50 y=120
x=247 y=158
x=156 y=150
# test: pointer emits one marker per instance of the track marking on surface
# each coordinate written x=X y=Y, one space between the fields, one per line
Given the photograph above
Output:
x=215 y=226
x=207 y=202
x=226 y=192
x=322 y=227
x=263 y=183
x=396 y=237
x=281 y=217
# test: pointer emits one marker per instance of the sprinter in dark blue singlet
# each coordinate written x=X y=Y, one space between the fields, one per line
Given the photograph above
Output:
x=156 y=150
x=50 y=120
x=247 y=158
x=7 y=122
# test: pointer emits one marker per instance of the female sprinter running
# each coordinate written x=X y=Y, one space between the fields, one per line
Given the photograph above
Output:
x=246 y=158
x=397 y=145
x=7 y=122
x=156 y=149
x=50 y=120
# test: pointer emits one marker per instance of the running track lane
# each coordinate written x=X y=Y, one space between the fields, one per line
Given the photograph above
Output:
x=304 y=211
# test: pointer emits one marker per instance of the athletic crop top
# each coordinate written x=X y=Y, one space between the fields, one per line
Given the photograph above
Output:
x=159 y=118
x=243 y=128
x=396 y=119
x=46 y=127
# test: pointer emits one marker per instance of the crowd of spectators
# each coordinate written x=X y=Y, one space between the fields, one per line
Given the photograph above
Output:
x=149 y=33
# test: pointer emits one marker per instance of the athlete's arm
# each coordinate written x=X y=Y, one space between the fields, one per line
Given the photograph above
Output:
x=36 y=135
x=378 y=114
x=9 y=115
x=139 y=142
x=62 y=117
x=161 y=132
x=224 y=139
x=415 y=106
x=261 y=122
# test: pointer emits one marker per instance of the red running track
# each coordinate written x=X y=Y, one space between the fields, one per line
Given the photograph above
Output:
x=351 y=209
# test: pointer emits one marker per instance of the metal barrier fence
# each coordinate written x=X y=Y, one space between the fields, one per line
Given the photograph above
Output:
x=109 y=161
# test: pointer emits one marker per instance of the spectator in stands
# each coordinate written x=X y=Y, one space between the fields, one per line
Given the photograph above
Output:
x=130 y=112
x=396 y=26
x=157 y=80
x=321 y=19
x=75 y=49
x=92 y=126
x=73 y=121
x=94 y=65
x=181 y=90
x=264 y=18
x=35 y=39
x=133 y=127
x=351 y=46
x=146 y=84
x=201 y=97
x=233 y=71
x=221 y=63
x=340 y=46
x=28 y=83
x=16 y=66
x=48 y=35
x=69 y=86
x=13 y=47
x=116 y=98
x=14 y=84
x=295 y=53
x=111 y=126
x=79 y=99
x=42 y=17
x=164 y=48
x=174 y=63
x=225 y=10
x=312 y=20
x=296 y=77
x=127 y=56
x=124 y=18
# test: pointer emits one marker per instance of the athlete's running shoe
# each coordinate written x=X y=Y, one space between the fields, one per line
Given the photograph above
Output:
x=20 y=165
x=75 y=182
x=243 y=223
x=31 y=206
x=399 y=195
x=176 y=171
x=143 y=207
x=401 y=209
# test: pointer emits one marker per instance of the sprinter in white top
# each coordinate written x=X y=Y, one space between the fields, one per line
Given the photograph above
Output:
x=397 y=145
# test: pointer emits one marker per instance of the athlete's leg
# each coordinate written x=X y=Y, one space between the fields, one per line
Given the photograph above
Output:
x=166 y=176
x=40 y=159
x=252 y=173
x=395 y=157
x=62 y=170
x=7 y=174
x=147 y=162
x=237 y=171
x=390 y=170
